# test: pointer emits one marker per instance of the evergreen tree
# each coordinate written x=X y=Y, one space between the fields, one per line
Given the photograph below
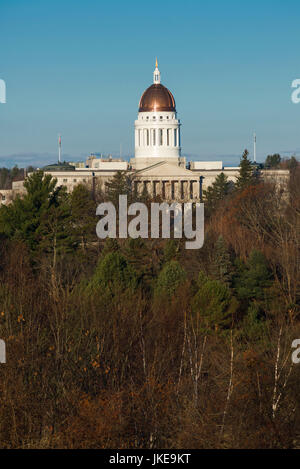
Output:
x=5 y=179
x=273 y=161
x=254 y=324
x=55 y=234
x=171 y=250
x=41 y=218
x=169 y=279
x=213 y=304
x=219 y=189
x=247 y=173
x=83 y=213
x=139 y=254
x=113 y=274
x=293 y=163
x=120 y=184
x=252 y=278
x=110 y=245
x=222 y=268
x=22 y=218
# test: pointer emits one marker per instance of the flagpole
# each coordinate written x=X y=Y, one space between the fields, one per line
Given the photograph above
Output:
x=59 y=149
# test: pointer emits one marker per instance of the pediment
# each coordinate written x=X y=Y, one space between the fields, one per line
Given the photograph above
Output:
x=164 y=169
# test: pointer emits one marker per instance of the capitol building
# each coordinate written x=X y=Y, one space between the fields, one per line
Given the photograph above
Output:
x=158 y=165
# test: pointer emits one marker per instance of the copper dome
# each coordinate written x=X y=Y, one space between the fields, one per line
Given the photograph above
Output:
x=157 y=98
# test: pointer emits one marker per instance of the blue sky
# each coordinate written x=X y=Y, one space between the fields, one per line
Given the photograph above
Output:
x=79 y=67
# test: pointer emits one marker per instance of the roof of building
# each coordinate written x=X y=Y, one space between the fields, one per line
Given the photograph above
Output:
x=59 y=167
x=157 y=98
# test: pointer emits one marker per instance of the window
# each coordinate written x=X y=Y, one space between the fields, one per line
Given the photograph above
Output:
x=147 y=137
x=182 y=189
x=161 y=118
x=168 y=137
x=160 y=137
x=175 y=138
x=163 y=189
x=74 y=180
x=65 y=180
x=154 y=137
x=3 y=197
x=154 y=118
x=154 y=188
x=172 y=190
x=83 y=180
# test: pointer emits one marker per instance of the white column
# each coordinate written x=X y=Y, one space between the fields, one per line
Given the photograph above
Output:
x=159 y=187
x=186 y=190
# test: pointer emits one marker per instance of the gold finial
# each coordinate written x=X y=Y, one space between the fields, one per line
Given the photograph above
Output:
x=156 y=64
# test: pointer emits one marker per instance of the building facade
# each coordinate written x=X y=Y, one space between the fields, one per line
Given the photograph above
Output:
x=158 y=165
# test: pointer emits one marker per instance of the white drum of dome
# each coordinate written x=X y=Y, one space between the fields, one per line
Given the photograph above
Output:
x=157 y=129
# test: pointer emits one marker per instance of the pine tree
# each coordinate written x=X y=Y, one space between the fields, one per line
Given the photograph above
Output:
x=222 y=268
x=120 y=184
x=171 y=250
x=293 y=163
x=213 y=305
x=139 y=255
x=219 y=189
x=252 y=278
x=273 y=161
x=83 y=213
x=23 y=219
x=247 y=175
x=169 y=279
x=113 y=275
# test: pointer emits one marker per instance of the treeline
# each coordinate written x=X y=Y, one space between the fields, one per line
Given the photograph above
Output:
x=7 y=176
x=141 y=343
x=275 y=161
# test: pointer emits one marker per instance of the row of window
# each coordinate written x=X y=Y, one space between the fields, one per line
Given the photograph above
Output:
x=182 y=190
x=160 y=117
x=154 y=137
x=74 y=180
